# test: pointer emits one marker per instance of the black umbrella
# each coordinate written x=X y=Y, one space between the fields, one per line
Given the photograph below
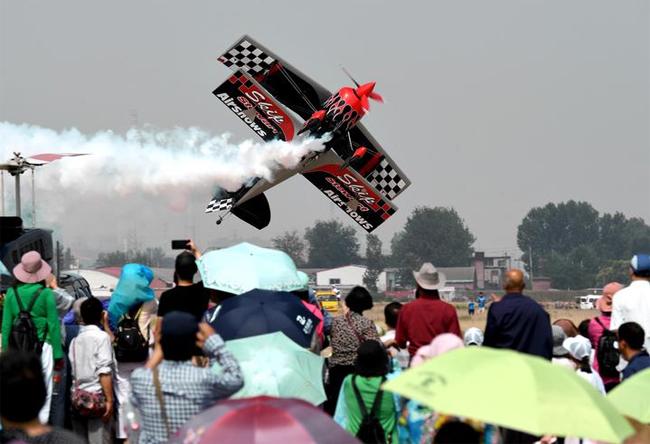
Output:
x=258 y=312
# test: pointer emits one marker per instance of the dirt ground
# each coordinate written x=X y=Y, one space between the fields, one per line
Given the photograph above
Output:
x=478 y=320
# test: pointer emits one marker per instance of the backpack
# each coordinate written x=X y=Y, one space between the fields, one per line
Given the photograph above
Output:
x=24 y=335
x=607 y=354
x=370 y=429
x=130 y=345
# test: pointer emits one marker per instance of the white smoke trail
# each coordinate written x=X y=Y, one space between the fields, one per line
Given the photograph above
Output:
x=150 y=161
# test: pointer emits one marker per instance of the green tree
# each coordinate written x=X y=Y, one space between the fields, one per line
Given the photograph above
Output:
x=374 y=262
x=437 y=235
x=616 y=270
x=293 y=244
x=557 y=229
x=576 y=247
x=151 y=257
x=574 y=270
x=331 y=244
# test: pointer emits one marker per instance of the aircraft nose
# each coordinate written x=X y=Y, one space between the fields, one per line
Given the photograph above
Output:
x=366 y=89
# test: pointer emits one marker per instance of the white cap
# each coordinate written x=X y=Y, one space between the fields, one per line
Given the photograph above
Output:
x=473 y=336
x=579 y=347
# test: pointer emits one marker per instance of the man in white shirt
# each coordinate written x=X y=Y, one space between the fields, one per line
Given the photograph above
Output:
x=92 y=364
x=632 y=304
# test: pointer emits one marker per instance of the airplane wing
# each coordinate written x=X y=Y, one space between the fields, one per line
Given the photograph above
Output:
x=376 y=166
x=349 y=191
x=256 y=108
x=289 y=86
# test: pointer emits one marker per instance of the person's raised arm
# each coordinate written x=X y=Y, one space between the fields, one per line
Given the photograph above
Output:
x=230 y=379
x=193 y=249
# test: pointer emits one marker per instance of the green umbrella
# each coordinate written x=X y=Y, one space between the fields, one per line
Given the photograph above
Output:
x=513 y=390
x=274 y=365
x=244 y=267
x=632 y=397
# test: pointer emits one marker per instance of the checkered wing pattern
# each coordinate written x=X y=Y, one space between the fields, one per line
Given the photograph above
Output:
x=387 y=180
x=245 y=55
x=219 y=205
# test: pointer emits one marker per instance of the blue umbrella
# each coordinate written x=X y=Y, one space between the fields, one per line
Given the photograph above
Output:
x=245 y=266
x=258 y=312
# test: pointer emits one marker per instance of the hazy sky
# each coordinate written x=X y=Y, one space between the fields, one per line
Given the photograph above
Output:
x=492 y=107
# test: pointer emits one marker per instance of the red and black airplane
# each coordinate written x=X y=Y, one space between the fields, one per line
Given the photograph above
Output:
x=272 y=97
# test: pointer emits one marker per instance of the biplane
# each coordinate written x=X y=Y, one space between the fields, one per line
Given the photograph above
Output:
x=276 y=101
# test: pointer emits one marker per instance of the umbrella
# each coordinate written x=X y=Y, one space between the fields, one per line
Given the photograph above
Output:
x=261 y=311
x=262 y=420
x=513 y=390
x=632 y=397
x=274 y=365
x=245 y=266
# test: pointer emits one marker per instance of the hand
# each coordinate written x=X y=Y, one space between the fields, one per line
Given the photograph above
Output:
x=192 y=247
x=108 y=414
x=205 y=331
x=495 y=297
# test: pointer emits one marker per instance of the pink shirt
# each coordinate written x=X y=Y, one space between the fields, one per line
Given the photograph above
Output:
x=595 y=332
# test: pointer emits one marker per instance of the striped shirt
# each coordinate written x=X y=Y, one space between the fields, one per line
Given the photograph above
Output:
x=187 y=389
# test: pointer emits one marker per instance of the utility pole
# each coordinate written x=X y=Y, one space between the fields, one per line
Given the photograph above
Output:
x=530 y=264
x=33 y=199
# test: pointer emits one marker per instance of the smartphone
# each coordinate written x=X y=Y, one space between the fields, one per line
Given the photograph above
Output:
x=180 y=244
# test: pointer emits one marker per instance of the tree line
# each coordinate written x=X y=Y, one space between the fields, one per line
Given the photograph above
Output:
x=571 y=242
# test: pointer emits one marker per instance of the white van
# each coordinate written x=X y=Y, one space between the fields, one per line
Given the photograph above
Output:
x=588 y=302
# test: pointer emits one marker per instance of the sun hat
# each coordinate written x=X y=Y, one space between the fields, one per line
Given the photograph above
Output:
x=558 y=339
x=473 y=336
x=640 y=263
x=441 y=344
x=604 y=304
x=579 y=347
x=429 y=278
x=32 y=268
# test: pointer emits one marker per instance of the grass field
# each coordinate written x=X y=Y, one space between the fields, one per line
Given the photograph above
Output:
x=478 y=320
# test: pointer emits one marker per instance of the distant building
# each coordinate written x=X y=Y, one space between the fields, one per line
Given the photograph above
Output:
x=459 y=277
x=490 y=270
x=541 y=283
x=349 y=276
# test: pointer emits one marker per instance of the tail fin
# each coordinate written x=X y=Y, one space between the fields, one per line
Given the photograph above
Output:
x=254 y=211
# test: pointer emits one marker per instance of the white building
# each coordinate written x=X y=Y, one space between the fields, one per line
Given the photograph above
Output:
x=350 y=276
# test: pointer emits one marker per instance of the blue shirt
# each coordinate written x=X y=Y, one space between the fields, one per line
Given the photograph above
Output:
x=519 y=323
x=639 y=362
x=471 y=306
x=481 y=301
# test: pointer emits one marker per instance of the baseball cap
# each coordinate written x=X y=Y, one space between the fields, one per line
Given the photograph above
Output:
x=558 y=339
x=473 y=336
x=640 y=264
x=579 y=347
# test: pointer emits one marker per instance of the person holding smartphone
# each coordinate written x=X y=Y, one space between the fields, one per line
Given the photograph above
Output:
x=186 y=296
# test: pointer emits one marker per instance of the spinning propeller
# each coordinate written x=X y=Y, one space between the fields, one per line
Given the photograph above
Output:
x=365 y=92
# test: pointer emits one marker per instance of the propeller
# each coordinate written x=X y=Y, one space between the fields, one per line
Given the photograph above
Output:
x=365 y=91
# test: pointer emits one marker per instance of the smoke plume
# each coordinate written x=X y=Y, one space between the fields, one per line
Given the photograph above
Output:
x=148 y=160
